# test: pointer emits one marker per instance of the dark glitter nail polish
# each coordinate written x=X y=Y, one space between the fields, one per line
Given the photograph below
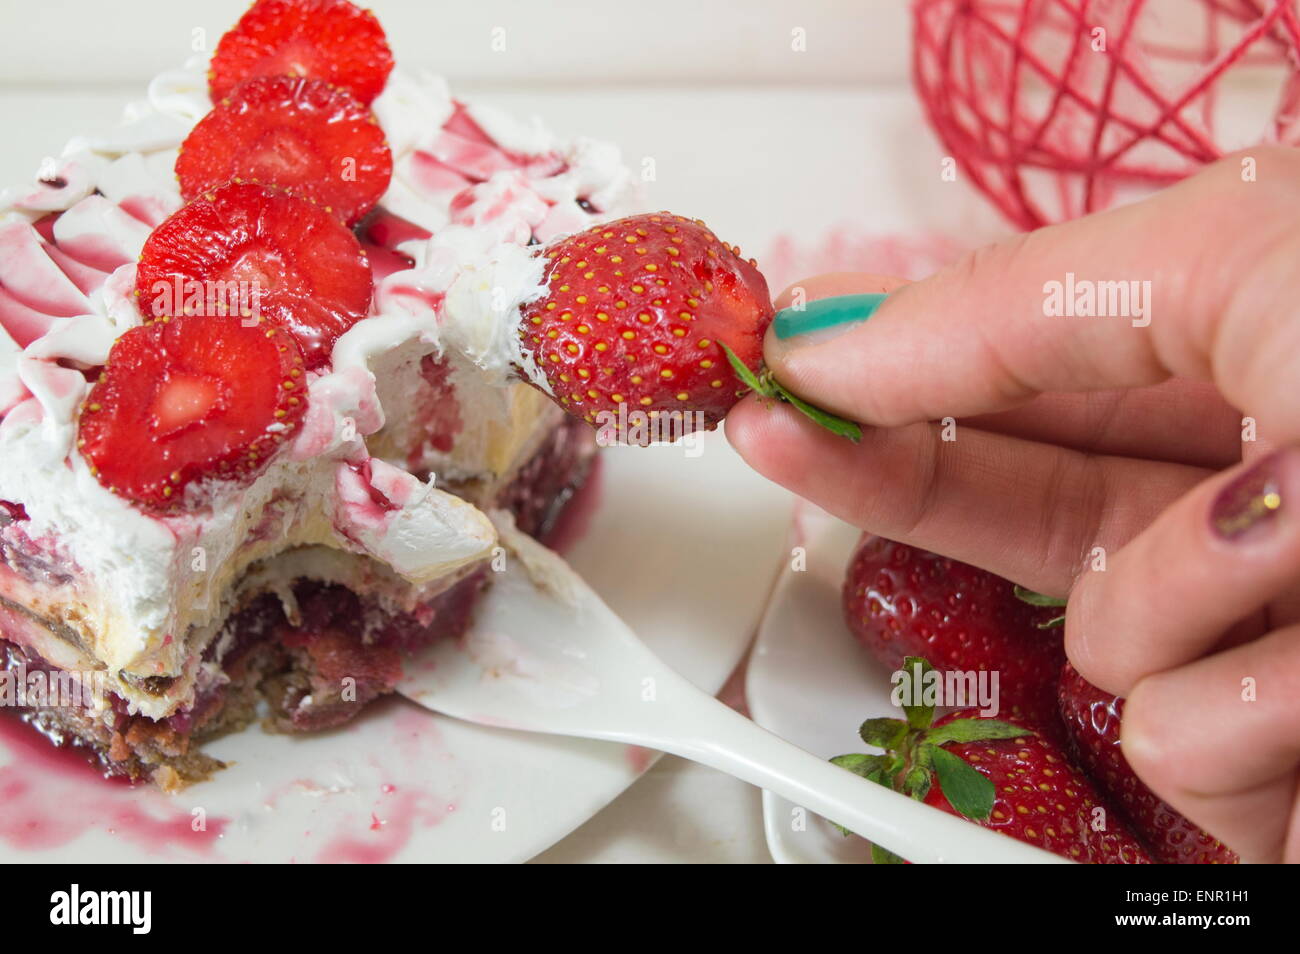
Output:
x=1252 y=499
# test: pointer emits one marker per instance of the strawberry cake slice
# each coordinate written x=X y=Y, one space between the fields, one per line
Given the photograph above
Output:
x=263 y=418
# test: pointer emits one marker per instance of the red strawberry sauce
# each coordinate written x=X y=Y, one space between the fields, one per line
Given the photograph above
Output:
x=53 y=795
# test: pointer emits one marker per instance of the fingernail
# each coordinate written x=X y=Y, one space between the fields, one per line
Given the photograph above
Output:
x=1252 y=500
x=841 y=311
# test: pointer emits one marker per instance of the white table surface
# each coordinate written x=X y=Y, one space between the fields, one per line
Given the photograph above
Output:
x=755 y=163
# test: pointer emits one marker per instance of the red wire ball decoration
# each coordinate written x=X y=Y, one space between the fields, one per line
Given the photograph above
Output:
x=1057 y=108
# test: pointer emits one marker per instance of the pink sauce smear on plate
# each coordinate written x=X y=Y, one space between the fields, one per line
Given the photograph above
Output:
x=53 y=795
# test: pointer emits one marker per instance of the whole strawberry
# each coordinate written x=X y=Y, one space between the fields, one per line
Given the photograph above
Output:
x=636 y=315
x=900 y=601
x=999 y=775
x=1092 y=721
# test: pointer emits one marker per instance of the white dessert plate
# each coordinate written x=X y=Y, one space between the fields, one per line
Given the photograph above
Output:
x=683 y=548
x=812 y=684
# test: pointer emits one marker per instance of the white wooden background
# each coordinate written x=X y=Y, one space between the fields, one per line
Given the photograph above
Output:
x=667 y=42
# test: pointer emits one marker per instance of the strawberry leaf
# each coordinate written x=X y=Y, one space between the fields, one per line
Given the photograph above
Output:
x=875 y=768
x=765 y=385
x=913 y=675
x=879 y=856
x=883 y=733
x=1036 y=599
x=742 y=370
x=974 y=730
x=1041 y=599
x=882 y=856
x=891 y=770
x=967 y=791
x=917 y=782
x=921 y=755
x=836 y=425
x=861 y=764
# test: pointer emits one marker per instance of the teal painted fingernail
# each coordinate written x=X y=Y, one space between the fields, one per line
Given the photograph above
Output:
x=825 y=313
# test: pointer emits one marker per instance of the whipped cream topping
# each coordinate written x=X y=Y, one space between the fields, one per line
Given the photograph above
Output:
x=479 y=274
x=475 y=185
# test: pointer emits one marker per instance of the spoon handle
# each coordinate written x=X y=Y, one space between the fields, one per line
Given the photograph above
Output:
x=700 y=728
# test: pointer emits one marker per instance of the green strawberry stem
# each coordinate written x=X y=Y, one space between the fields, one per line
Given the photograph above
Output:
x=766 y=385
x=1041 y=599
x=914 y=756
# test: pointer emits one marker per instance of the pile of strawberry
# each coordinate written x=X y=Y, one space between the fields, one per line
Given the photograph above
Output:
x=1050 y=772
x=244 y=290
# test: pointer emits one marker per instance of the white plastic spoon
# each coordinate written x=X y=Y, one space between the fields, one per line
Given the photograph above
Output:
x=551 y=657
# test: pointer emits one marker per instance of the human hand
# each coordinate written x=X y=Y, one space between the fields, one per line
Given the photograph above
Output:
x=1121 y=433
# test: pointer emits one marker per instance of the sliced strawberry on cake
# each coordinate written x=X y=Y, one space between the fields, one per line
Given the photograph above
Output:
x=189 y=399
x=302 y=135
x=329 y=40
x=248 y=250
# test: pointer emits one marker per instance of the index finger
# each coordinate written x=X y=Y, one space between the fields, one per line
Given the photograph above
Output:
x=1202 y=275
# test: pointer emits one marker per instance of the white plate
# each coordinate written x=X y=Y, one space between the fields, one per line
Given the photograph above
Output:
x=812 y=684
x=683 y=548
